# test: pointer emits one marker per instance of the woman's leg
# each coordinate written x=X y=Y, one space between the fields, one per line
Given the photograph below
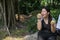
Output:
x=40 y=38
x=52 y=38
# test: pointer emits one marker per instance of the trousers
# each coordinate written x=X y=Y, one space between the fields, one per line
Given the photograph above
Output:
x=50 y=38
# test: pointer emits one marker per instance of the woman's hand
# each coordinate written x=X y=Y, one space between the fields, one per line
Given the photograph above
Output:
x=53 y=26
x=39 y=21
x=39 y=16
x=53 y=22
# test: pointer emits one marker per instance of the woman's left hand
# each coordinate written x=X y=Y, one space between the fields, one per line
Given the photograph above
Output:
x=53 y=23
x=53 y=26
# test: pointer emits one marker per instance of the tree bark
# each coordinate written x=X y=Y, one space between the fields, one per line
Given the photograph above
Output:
x=4 y=13
x=10 y=8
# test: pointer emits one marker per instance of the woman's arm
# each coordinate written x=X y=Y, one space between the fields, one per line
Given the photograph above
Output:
x=53 y=26
x=39 y=24
x=39 y=16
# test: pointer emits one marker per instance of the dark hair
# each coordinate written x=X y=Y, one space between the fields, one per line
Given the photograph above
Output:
x=49 y=16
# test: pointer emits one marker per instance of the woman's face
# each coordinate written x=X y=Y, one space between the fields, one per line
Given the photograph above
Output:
x=44 y=13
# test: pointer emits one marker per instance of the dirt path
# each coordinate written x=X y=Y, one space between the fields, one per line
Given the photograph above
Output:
x=27 y=37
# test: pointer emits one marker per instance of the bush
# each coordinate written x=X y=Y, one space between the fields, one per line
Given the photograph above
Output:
x=55 y=13
x=3 y=34
x=31 y=24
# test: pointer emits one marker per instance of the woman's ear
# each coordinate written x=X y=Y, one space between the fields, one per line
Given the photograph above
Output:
x=48 y=13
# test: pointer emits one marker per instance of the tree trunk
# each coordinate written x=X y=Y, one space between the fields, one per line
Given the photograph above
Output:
x=4 y=14
x=10 y=8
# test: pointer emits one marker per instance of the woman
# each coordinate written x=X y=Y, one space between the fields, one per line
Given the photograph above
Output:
x=46 y=25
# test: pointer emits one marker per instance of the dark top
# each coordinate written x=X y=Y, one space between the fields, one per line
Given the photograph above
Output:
x=46 y=30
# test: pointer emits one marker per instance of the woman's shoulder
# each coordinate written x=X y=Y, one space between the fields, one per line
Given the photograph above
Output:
x=53 y=19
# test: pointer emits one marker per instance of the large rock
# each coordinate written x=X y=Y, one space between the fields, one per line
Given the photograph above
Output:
x=31 y=37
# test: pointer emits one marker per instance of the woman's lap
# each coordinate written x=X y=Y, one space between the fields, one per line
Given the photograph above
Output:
x=40 y=38
x=50 y=38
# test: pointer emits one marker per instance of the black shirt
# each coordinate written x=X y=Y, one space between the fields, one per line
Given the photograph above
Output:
x=46 y=30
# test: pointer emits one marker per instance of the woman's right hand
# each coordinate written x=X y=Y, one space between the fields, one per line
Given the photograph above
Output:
x=39 y=16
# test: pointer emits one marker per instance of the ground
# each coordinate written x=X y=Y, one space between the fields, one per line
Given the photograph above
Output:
x=27 y=37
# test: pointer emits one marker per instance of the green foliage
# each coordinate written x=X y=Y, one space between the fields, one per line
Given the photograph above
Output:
x=31 y=24
x=19 y=32
x=55 y=13
x=2 y=34
x=29 y=5
x=44 y=3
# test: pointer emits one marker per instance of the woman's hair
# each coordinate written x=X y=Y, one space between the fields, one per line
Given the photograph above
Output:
x=49 y=16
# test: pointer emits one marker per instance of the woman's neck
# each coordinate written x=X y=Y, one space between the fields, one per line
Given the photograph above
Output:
x=46 y=20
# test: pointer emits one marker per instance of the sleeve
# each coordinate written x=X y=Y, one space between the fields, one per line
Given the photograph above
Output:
x=54 y=19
